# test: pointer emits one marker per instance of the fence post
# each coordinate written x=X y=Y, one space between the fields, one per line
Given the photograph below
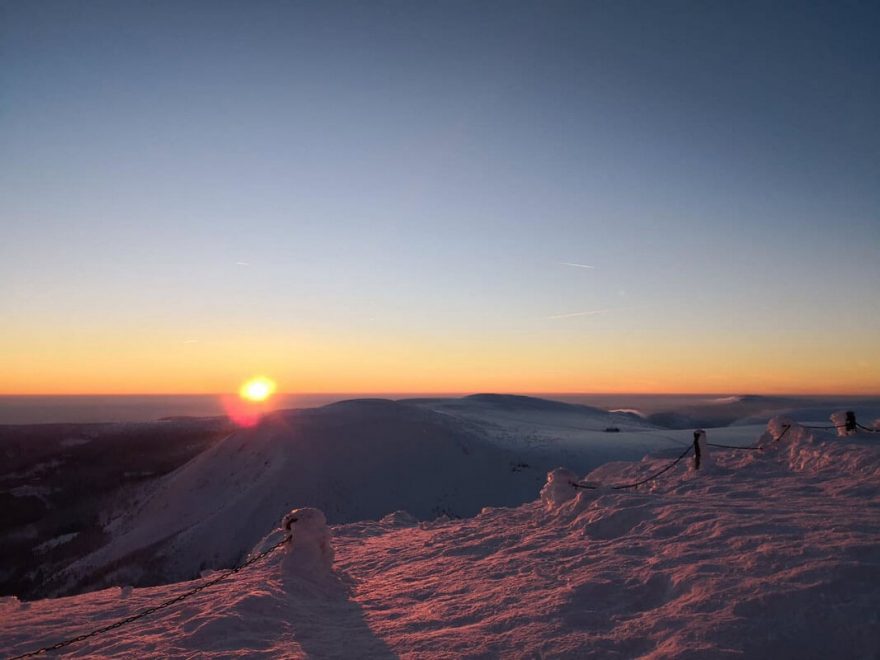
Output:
x=700 y=448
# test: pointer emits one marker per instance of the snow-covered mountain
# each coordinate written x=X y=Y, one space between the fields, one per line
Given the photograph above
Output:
x=545 y=427
x=354 y=460
x=772 y=553
x=753 y=409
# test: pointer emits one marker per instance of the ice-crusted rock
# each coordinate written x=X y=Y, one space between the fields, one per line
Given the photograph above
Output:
x=559 y=487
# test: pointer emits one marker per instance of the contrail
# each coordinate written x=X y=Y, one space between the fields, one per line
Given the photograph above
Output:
x=573 y=314
x=574 y=265
x=242 y=263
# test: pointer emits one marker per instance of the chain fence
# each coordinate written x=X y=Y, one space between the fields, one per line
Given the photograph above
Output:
x=155 y=608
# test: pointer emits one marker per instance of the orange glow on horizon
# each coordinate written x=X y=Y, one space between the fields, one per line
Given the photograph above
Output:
x=104 y=363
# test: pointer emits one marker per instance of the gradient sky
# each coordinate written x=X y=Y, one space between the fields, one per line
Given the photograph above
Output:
x=401 y=196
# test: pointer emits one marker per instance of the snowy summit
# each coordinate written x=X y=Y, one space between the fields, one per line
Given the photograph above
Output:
x=774 y=553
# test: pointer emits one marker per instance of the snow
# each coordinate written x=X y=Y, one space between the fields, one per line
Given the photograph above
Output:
x=724 y=400
x=560 y=487
x=628 y=411
x=774 y=554
x=354 y=460
x=55 y=542
x=540 y=425
x=27 y=490
x=838 y=419
x=310 y=551
x=75 y=442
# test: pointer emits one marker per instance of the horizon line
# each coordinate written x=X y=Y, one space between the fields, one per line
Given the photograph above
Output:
x=455 y=393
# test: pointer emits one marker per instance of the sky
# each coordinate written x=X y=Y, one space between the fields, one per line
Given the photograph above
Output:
x=448 y=196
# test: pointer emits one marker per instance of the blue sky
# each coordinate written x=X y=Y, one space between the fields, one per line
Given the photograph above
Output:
x=414 y=176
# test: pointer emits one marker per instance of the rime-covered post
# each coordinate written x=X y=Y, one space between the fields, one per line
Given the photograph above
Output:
x=560 y=487
x=701 y=450
x=845 y=422
x=850 y=423
x=310 y=551
x=309 y=547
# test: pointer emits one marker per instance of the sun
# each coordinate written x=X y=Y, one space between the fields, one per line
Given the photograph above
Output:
x=257 y=389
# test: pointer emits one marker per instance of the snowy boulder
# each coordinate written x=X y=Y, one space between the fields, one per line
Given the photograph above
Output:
x=559 y=487
x=310 y=550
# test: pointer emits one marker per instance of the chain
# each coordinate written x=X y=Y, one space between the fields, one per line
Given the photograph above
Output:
x=155 y=608
x=643 y=481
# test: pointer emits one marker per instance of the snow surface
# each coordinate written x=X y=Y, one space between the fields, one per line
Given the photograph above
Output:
x=354 y=460
x=55 y=542
x=541 y=425
x=774 y=554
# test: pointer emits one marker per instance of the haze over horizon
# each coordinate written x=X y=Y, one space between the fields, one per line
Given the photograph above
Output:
x=459 y=197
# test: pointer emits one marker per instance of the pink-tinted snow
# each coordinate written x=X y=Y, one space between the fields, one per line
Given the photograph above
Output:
x=772 y=554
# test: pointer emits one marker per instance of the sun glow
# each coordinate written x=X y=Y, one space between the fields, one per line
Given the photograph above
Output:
x=257 y=389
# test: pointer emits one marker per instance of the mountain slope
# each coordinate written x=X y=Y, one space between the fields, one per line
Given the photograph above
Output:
x=769 y=554
x=551 y=429
x=354 y=460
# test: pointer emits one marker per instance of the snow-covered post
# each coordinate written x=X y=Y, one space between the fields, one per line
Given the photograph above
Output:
x=845 y=422
x=778 y=428
x=310 y=550
x=560 y=487
x=701 y=450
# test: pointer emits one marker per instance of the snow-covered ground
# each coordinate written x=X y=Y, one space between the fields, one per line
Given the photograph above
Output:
x=354 y=460
x=769 y=554
x=559 y=431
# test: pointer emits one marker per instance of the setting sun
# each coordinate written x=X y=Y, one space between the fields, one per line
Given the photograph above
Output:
x=257 y=389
